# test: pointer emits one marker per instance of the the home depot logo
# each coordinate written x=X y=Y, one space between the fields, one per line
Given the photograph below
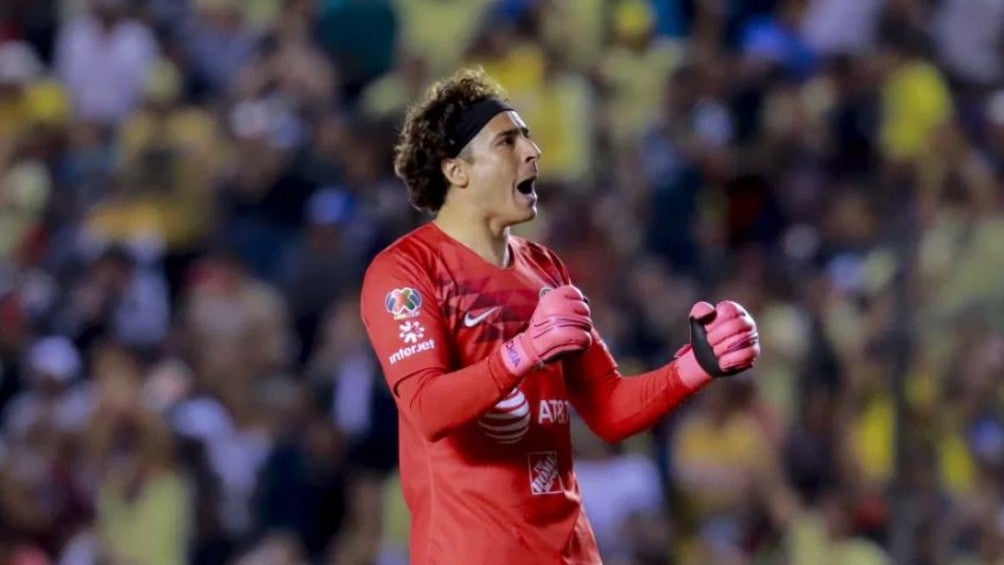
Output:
x=544 y=475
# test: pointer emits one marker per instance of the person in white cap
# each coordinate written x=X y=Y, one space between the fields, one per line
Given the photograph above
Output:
x=53 y=395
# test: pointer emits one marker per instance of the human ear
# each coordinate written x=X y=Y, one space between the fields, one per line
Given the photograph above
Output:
x=456 y=171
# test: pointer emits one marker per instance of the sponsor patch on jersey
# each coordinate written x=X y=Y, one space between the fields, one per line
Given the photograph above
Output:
x=411 y=331
x=507 y=421
x=409 y=350
x=544 y=475
x=403 y=303
x=553 y=411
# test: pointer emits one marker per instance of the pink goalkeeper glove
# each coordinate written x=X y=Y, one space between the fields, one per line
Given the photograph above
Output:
x=723 y=342
x=560 y=324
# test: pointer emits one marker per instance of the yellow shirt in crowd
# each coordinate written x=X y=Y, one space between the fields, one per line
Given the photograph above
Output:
x=151 y=527
x=915 y=101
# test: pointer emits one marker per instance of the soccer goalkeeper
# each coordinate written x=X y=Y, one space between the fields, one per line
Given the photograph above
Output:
x=486 y=345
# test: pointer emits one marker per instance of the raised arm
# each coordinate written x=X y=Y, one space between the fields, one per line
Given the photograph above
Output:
x=724 y=342
x=406 y=329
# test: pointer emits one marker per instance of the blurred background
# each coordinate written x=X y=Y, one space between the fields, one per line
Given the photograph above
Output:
x=191 y=189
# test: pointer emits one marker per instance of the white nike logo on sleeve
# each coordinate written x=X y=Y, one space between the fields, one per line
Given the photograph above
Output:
x=471 y=321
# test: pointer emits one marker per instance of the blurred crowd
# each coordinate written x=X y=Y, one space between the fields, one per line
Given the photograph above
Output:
x=190 y=190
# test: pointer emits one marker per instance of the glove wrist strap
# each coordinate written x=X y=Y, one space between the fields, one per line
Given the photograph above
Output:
x=519 y=356
x=703 y=351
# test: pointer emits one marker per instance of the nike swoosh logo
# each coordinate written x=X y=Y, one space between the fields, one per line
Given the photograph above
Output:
x=471 y=321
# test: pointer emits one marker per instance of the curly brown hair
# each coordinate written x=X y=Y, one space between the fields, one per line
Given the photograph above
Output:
x=424 y=142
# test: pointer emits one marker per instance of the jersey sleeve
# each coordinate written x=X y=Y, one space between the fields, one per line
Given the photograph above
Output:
x=612 y=405
x=402 y=318
x=405 y=327
x=615 y=406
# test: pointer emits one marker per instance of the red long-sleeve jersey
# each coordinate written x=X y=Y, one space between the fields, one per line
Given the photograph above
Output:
x=485 y=457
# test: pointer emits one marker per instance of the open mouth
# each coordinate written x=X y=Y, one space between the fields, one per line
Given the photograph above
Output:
x=527 y=186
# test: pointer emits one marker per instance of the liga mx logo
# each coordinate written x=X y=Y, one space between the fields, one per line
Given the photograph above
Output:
x=403 y=303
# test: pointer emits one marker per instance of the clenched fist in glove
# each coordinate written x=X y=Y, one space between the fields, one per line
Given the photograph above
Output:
x=559 y=324
x=723 y=342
